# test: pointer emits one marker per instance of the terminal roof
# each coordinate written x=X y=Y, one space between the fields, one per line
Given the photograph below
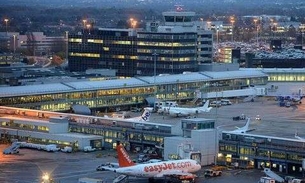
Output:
x=187 y=77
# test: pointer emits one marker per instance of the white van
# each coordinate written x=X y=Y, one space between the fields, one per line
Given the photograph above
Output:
x=225 y=102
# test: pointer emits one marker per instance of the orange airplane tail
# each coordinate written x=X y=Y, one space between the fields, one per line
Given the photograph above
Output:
x=124 y=159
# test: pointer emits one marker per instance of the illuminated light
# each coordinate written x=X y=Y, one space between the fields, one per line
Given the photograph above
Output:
x=95 y=41
x=75 y=40
x=219 y=155
x=229 y=155
x=95 y=55
x=121 y=42
x=46 y=176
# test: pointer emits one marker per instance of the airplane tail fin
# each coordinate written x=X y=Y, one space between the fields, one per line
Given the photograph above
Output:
x=246 y=127
x=145 y=116
x=205 y=107
x=296 y=135
x=123 y=157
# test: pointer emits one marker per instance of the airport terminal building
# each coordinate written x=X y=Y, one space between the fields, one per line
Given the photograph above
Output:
x=107 y=95
x=257 y=151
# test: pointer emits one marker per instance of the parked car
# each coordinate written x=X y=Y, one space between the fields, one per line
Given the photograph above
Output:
x=225 y=102
x=215 y=104
x=212 y=173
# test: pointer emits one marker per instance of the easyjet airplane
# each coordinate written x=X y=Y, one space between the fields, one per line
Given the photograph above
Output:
x=178 y=168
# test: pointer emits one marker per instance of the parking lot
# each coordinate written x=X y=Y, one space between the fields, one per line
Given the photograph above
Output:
x=29 y=165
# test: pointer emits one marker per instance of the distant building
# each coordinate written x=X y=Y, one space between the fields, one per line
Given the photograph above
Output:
x=286 y=58
x=36 y=43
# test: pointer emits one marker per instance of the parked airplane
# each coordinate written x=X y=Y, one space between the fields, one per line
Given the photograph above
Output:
x=243 y=129
x=144 y=117
x=298 y=137
x=295 y=98
x=176 y=168
x=184 y=111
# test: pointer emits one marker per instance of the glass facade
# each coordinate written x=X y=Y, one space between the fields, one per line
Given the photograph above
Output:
x=105 y=49
x=131 y=53
x=28 y=127
x=172 y=52
x=292 y=76
x=109 y=98
x=136 y=138
x=276 y=153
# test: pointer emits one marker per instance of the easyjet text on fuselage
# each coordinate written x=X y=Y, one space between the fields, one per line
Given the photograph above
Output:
x=167 y=166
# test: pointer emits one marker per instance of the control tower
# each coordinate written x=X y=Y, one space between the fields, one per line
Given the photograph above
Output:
x=178 y=17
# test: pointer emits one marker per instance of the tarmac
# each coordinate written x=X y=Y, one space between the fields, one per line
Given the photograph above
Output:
x=275 y=120
x=29 y=165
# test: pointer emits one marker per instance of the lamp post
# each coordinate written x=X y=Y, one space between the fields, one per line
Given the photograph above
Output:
x=67 y=43
x=155 y=72
x=88 y=26
x=302 y=34
x=217 y=34
x=14 y=48
x=201 y=19
x=256 y=29
x=232 y=24
x=209 y=25
x=6 y=21
x=84 y=23
x=275 y=29
x=133 y=23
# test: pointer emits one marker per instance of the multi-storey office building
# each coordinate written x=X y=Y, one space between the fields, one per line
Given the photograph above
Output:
x=103 y=48
x=177 y=46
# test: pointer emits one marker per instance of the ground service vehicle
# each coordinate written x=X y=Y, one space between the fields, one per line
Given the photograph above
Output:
x=89 y=149
x=13 y=149
x=225 y=102
x=51 y=148
x=212 y=173
x=215 y=104
x=89 y=180
x=266 y=180
x=66 y=149
x=121 y=179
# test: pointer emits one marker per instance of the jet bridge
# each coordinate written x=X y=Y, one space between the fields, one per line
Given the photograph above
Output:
x=252 y=91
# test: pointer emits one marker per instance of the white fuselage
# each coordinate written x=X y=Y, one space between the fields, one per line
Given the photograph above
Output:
x=160 y=168
x=183 y=111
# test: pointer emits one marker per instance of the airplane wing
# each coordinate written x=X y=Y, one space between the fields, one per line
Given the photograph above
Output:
x=175 y=173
